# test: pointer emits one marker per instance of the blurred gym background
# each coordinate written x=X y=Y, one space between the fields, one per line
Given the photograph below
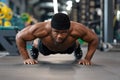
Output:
x=101 y=16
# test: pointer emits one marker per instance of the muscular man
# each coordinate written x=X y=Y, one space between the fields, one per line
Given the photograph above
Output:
x=59 y=35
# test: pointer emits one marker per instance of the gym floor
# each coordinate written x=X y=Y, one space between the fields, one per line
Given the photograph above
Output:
x=61 y=67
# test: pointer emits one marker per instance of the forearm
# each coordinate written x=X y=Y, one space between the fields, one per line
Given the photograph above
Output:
x=21 y=44
x=92 y=46
x=24 y=54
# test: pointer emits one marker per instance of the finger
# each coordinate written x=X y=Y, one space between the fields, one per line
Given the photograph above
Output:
x=87 y=64
x=83 y=63
x=80 y=62
x=28 y=62
x=36 y=61
x=24 y=62
x=32 y=62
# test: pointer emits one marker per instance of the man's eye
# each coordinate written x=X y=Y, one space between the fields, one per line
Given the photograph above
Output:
x=65 y=32
x=56 y=31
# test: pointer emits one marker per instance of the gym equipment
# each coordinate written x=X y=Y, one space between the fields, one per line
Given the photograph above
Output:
x=9 y=14
x=6 y=15
x=7 y=40
x=25 y=17
x=7 y=24
x=0 y=22
x=2 y=10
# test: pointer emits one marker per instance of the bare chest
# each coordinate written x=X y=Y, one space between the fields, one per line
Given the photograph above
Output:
x=50 y=44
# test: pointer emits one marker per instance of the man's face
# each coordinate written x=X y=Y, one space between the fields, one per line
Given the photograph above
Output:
x=59 y=36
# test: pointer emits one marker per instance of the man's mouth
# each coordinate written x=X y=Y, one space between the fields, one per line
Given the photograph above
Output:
x=59 y=40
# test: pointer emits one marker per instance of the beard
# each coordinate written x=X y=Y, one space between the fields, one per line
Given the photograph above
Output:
x=58 y=41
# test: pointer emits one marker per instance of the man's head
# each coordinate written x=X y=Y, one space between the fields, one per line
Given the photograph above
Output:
x=60 y=21
x=60 y=24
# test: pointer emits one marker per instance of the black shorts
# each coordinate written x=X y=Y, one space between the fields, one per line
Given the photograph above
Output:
x=45 y=51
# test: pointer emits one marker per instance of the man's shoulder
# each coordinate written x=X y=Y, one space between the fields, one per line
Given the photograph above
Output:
x=41 y=23
x=78 y=29
x=74 y=22
x=41 y=27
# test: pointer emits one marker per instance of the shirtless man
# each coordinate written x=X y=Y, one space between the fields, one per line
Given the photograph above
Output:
x=59 y=35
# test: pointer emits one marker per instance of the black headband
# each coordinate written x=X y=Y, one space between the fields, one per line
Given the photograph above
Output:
x=60 y=21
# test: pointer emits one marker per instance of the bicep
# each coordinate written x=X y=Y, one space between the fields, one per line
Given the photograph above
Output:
x=25 y=34
x=89 y=35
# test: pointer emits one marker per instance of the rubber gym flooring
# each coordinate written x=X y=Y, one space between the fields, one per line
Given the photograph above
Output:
x=61 y=67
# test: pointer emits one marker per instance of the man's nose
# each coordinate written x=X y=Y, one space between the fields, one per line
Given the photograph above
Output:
x=59 y=35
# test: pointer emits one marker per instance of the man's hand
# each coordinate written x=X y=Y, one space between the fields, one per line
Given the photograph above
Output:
x=30 y=61
x=84 y=62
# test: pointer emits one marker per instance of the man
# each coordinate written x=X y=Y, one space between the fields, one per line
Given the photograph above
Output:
x=59 y=35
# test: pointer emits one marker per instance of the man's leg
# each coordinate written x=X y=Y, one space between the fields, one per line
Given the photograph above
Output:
x=78 y=52
x=34 y=53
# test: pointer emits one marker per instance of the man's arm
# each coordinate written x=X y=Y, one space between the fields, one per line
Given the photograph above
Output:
x=29 y=33
x=91 y=38
x=92 y=44
x=21 y=38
